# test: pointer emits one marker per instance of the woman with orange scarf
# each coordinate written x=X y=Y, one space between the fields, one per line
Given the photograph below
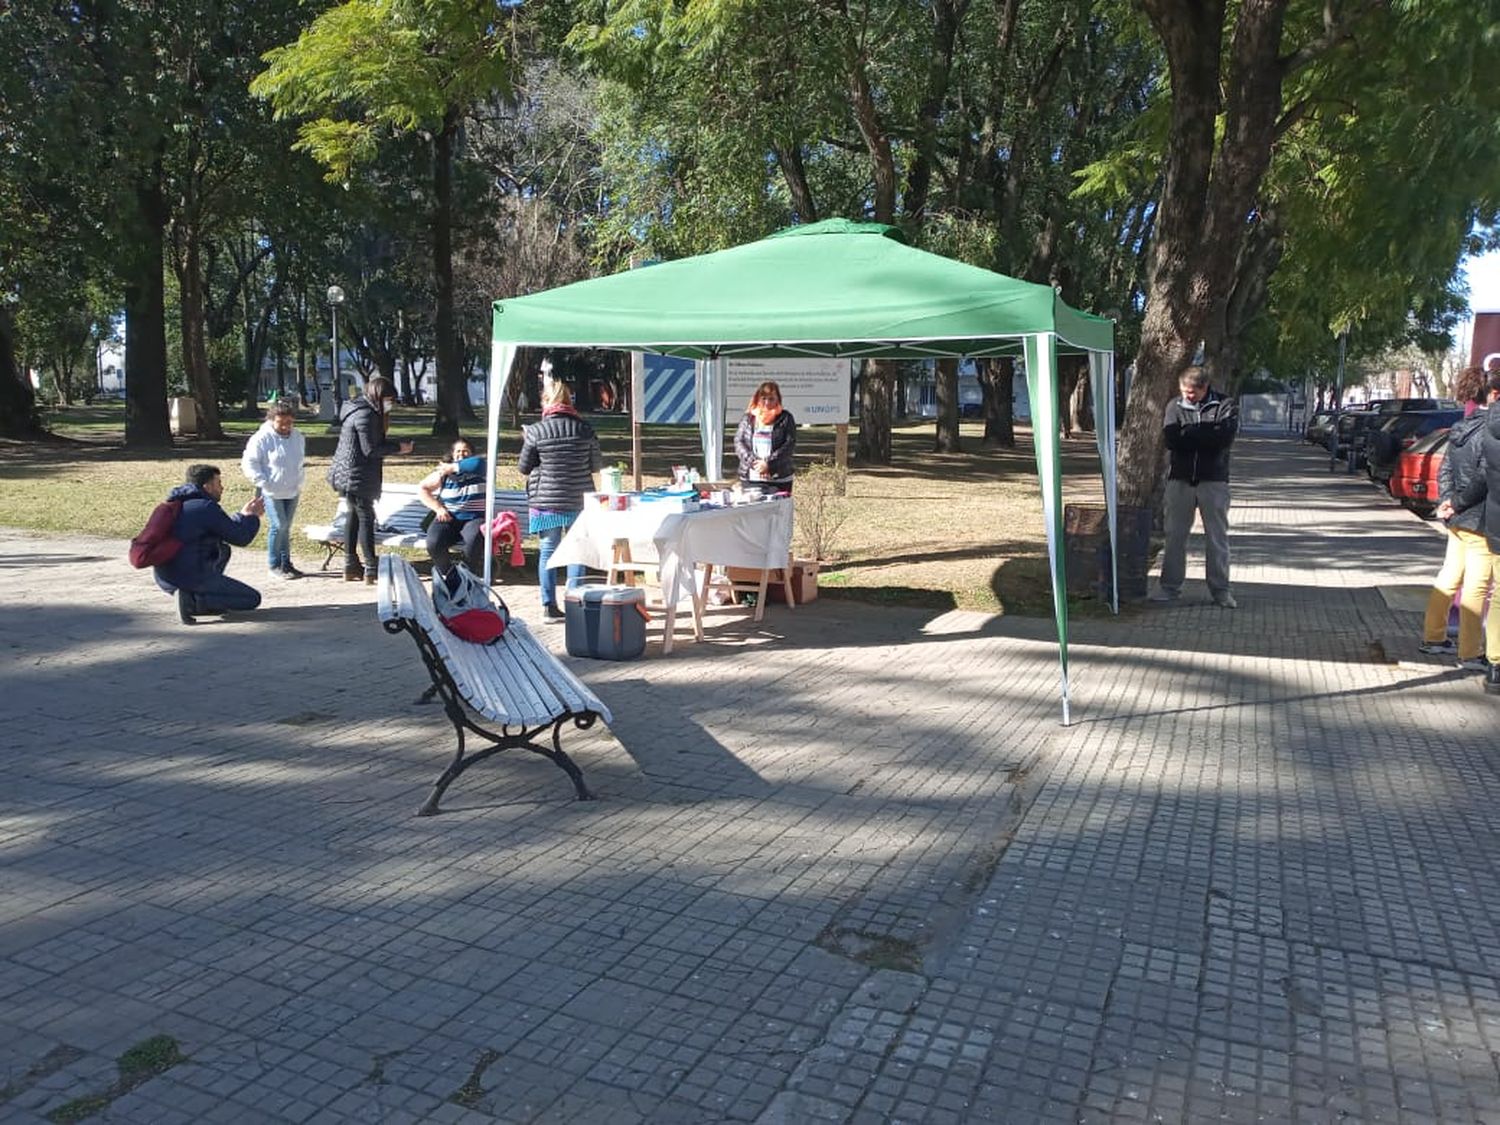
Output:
x=765 y=442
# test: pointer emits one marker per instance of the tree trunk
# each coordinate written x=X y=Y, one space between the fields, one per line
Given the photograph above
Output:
x=794 y=172
x=193 y=319
x=875 y=412
x=146 y=423
x=1224 y=335
x=452 y=393
x=18 y=415
x=946 y=438
x=1206 y=201
x=946 y=16
x=1079 y=415
x=997 y=382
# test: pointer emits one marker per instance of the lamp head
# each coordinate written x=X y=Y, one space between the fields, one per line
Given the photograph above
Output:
x=335 y=295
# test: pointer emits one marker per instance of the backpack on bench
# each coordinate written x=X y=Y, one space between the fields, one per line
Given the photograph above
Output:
x=468 y=608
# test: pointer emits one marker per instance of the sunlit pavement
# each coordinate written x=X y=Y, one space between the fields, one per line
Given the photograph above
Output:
x=846 y=864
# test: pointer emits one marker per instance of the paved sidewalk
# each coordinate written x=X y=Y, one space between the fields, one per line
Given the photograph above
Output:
x=846 y=867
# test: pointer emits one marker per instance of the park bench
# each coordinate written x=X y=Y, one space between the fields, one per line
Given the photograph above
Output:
x=515 y=682
x=399 y=518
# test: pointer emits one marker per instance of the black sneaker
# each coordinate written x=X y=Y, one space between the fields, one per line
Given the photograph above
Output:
x=185 y=607
x=1492 y=680
x=552 y=613
x=290 y=571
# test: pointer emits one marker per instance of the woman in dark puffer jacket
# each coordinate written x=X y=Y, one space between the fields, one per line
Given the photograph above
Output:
x=559 y=455
x=358 y=470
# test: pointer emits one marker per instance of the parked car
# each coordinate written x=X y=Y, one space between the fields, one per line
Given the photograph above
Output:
x=1402 y=431
x=1318 y=427
x=1356 y=426
x=1414 y=482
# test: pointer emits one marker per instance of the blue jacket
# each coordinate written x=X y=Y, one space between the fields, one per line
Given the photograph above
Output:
x=203 y=528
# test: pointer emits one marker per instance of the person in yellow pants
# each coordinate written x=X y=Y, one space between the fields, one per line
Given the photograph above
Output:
x=1469 y=567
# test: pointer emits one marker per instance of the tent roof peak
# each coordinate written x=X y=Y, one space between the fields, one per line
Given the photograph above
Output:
x=841 y=226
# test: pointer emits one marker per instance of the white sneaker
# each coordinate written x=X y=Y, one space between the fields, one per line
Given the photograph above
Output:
x=1161 y=594
x=1225 y=600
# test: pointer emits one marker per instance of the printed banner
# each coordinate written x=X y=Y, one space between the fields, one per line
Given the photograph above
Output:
x=816 y=391
x=671 y=393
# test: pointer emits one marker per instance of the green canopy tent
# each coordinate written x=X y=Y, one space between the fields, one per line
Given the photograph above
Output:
x=833 y=289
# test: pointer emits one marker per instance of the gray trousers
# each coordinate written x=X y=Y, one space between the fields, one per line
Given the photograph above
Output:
x=1210 y=498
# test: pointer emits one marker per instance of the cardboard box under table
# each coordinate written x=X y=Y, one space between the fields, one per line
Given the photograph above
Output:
x=755 y=536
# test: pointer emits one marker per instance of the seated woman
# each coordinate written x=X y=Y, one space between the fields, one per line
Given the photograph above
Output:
x=455 y=493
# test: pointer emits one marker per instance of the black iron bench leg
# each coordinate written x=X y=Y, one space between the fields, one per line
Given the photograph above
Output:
x=455 y=767
x=562 y=761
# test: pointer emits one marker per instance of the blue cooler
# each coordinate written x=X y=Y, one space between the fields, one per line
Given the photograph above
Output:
x=605 y=622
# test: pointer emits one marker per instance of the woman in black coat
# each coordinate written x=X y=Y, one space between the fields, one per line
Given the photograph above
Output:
x=358 y=470
x=765 y=442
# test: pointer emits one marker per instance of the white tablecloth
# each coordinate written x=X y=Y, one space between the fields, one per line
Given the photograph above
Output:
x=750 y=535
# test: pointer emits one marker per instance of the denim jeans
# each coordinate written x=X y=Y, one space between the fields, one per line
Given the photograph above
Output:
x=545 y=575
x=219 y=593
x=279 y=515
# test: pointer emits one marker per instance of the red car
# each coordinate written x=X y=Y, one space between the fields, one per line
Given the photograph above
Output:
x=1415 y=479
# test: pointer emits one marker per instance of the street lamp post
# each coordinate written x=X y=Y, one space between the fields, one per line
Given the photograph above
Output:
x=1338 y=408
x=335 y=299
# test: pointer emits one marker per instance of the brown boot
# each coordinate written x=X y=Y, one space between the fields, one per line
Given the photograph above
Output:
x=354 y=573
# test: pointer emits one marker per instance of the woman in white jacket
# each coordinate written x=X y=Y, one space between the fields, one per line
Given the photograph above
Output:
x=274 y=462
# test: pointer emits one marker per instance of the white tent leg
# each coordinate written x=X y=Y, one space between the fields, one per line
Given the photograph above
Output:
x=1041 y=386
x=712 y=377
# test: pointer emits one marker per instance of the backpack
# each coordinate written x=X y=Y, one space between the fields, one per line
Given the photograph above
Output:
x=468 y=607
x=157 y=544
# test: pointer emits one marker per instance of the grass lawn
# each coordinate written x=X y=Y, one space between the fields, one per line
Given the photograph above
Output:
x=941 y=530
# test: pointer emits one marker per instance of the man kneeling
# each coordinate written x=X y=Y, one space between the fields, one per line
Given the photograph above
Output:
x=196 y=573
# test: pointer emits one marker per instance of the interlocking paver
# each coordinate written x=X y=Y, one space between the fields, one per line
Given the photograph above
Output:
x=1252 y=881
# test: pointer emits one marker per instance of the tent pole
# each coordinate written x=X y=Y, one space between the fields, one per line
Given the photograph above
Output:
x=637 y=411
x=502 y=357
x=1041 y=386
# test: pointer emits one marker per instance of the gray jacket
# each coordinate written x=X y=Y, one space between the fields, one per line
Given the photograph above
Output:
x=559 y=456
x=1463 y=463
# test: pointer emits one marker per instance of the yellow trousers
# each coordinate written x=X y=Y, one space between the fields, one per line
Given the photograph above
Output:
x=1468 y=566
